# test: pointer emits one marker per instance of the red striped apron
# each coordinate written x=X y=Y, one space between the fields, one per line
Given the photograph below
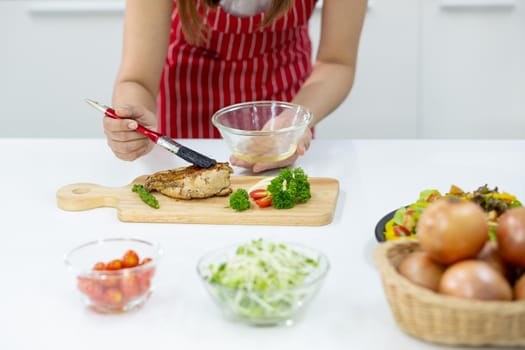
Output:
x=240 y=62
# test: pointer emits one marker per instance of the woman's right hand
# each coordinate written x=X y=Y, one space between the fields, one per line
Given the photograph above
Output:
x=124 y=141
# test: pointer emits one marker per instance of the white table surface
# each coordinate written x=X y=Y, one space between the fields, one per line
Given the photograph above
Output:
x=40 y=308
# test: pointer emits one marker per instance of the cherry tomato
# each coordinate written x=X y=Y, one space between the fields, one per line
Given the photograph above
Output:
x=83 y=284
x=145 y=261
x=114 y=265
x=259 y=193
x=113 y=296
x=144 y=283
x=144 y=278
x=99 y=266
x=91 y=288
x=147 y=273
x=130 y=259
x=264 y=202
x=108 y=280
x=261 y=197
x=129 y=286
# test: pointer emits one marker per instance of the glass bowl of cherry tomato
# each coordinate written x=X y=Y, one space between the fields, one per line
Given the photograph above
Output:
x=114 y=275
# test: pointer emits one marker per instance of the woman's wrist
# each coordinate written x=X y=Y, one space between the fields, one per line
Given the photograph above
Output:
x=131 y=92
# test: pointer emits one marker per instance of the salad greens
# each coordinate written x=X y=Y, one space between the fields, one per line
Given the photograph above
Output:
x=494 y=203
x=260 y=280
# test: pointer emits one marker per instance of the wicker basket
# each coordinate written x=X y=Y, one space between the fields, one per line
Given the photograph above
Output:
x=442 y=319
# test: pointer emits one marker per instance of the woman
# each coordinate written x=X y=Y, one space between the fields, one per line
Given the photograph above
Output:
x=182 y=60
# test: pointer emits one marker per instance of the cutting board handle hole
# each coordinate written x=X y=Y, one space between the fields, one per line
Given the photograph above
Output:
x=81 y=190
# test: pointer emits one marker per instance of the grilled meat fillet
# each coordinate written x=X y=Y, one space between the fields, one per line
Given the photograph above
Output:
x=192 y=182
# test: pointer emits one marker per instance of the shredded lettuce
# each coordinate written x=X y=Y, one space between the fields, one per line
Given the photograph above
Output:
x=398 y=216
x=260 y=280
x=426 y=194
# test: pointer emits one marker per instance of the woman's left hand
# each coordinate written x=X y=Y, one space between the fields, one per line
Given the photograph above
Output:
x=302 y=147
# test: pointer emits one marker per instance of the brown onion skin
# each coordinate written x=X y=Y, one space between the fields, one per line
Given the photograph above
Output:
x=510 y=234
x=490 y=254
x=519 y=288
x=421 y=270
x=476 y=280
x=452 y=230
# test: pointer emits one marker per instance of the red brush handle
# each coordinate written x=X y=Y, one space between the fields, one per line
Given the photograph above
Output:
x=154 y=136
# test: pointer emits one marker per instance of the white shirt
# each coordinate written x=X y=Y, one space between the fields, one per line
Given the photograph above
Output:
x=244 y=8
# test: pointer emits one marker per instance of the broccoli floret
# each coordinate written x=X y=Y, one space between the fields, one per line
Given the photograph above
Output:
x=275 y=186
x=239 y=200
x=283 y=200
x=286 y=174
x=288 y=188
x=302 y=186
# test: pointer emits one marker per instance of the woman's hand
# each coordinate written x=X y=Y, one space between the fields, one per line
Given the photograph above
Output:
x=302 y=147
x=124 y=141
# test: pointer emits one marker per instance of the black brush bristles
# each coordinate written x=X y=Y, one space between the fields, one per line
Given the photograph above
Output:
x=196 y=158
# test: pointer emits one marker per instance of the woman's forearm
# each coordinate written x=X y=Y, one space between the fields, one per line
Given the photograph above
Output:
x=146 y=34
x=333 y=73
x=325 y=89
x=126 y=92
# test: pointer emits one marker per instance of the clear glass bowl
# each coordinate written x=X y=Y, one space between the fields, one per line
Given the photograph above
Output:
x=118 y=290
x=267 y=306
x=262 y=131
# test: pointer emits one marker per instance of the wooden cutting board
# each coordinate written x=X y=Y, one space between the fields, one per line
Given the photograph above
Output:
x=319 y=210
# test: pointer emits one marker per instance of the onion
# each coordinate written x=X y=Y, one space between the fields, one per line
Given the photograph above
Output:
x=451 y=230
x=519 y=288
x=510 y=234
x=474 y=279
x=418 y=268
x=490 y=254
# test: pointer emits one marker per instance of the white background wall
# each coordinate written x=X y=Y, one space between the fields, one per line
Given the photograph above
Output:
x=427 y=69
x=437 y=69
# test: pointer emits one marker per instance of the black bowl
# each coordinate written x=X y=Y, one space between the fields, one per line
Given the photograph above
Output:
x=380 y=226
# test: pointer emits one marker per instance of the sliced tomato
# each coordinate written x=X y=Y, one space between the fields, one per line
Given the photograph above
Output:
x=258 y=194
x=264 y=202
x=401 y=231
